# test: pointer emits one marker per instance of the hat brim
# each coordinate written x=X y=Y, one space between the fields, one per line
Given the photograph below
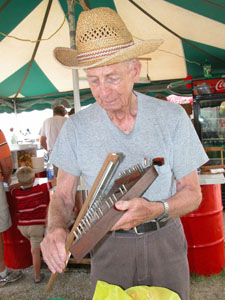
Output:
x=68 y=56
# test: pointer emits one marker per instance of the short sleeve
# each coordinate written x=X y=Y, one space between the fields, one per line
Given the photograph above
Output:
x=42 y=129
x=64 y=154
x=4 y=148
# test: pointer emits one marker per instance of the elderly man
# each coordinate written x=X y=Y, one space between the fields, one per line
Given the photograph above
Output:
x=139 y=126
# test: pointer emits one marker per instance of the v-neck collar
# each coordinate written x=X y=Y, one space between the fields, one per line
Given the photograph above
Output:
x=116 y=129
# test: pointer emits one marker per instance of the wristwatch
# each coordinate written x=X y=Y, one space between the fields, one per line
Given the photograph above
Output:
x=164 y=216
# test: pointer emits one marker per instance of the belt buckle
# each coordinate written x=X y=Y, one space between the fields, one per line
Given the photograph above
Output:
x=136 y=231
x=140 y=233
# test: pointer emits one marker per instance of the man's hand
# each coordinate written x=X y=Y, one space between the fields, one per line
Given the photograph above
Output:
x=138 y=211
x=53 y=250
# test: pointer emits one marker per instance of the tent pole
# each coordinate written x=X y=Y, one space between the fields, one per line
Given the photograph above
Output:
x=75 y=75
x=14 y=106
x=76 y=93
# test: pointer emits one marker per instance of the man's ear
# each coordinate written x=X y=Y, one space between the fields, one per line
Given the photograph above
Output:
x=137 y=70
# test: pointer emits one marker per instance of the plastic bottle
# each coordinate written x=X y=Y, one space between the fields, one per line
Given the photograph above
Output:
x=50 y=170
x=207 y=69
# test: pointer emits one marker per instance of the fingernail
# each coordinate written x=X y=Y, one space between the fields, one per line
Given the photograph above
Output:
x=119 y=205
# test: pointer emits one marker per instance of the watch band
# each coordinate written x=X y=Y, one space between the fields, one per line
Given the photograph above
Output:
x=164 y=216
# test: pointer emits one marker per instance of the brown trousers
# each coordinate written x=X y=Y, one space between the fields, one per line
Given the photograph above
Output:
x=157 y=258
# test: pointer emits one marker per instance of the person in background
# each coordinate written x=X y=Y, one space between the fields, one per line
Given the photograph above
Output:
x=51 y=128
x=147 y=245
x=32 y=203
x=6 y=275
x=71 y=112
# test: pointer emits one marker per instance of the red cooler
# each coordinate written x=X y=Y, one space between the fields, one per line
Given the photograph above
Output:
x=16 y=246
x=204 y=233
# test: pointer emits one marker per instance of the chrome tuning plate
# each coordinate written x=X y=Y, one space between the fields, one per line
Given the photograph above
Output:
x=131 y=170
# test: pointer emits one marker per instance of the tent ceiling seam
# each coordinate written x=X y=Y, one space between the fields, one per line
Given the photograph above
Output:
x=214 y=4
x=174 y=33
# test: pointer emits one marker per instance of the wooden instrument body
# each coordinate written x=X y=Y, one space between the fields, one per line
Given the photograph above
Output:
x=136 y=185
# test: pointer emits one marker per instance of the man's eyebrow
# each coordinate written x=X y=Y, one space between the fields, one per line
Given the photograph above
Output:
x=106 y=75
x=91 y=76
x=112 y=74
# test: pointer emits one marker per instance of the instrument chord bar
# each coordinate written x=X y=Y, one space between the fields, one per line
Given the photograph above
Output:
x=124 y=188
x=114 y=196
x=101 y=205
x=132 y=185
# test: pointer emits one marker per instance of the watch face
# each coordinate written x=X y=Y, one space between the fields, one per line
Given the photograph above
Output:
x=164 y=215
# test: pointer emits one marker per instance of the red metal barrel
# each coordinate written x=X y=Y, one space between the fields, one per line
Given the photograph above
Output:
x=204 y=233
x=16 y=246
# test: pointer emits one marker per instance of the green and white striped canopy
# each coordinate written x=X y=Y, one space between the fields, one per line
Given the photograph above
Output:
x=30 y=78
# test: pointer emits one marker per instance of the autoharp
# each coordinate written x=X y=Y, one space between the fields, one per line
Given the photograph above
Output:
x=98 y=213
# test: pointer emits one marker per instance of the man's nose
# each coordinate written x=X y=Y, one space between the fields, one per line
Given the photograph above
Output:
x=104 y=89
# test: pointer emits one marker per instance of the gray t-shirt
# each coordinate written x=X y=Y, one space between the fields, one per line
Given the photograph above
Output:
x=162 y=129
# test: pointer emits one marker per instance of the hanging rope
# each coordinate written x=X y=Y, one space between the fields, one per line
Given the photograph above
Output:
x=214 y=4
x=83 y=5
x=4 y=5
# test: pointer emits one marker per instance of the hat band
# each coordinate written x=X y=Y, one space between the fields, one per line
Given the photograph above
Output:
x=93 y=55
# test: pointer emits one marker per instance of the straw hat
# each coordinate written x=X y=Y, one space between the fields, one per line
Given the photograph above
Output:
x=102 y=39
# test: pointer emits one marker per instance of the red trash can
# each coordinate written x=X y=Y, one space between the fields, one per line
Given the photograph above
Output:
x=204 y=233
x=16 y=246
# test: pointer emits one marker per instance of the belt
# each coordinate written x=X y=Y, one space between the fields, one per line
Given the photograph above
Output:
x=144 y=228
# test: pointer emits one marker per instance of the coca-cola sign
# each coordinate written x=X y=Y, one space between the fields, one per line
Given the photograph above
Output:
x=220 y=85
x=208 y=86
